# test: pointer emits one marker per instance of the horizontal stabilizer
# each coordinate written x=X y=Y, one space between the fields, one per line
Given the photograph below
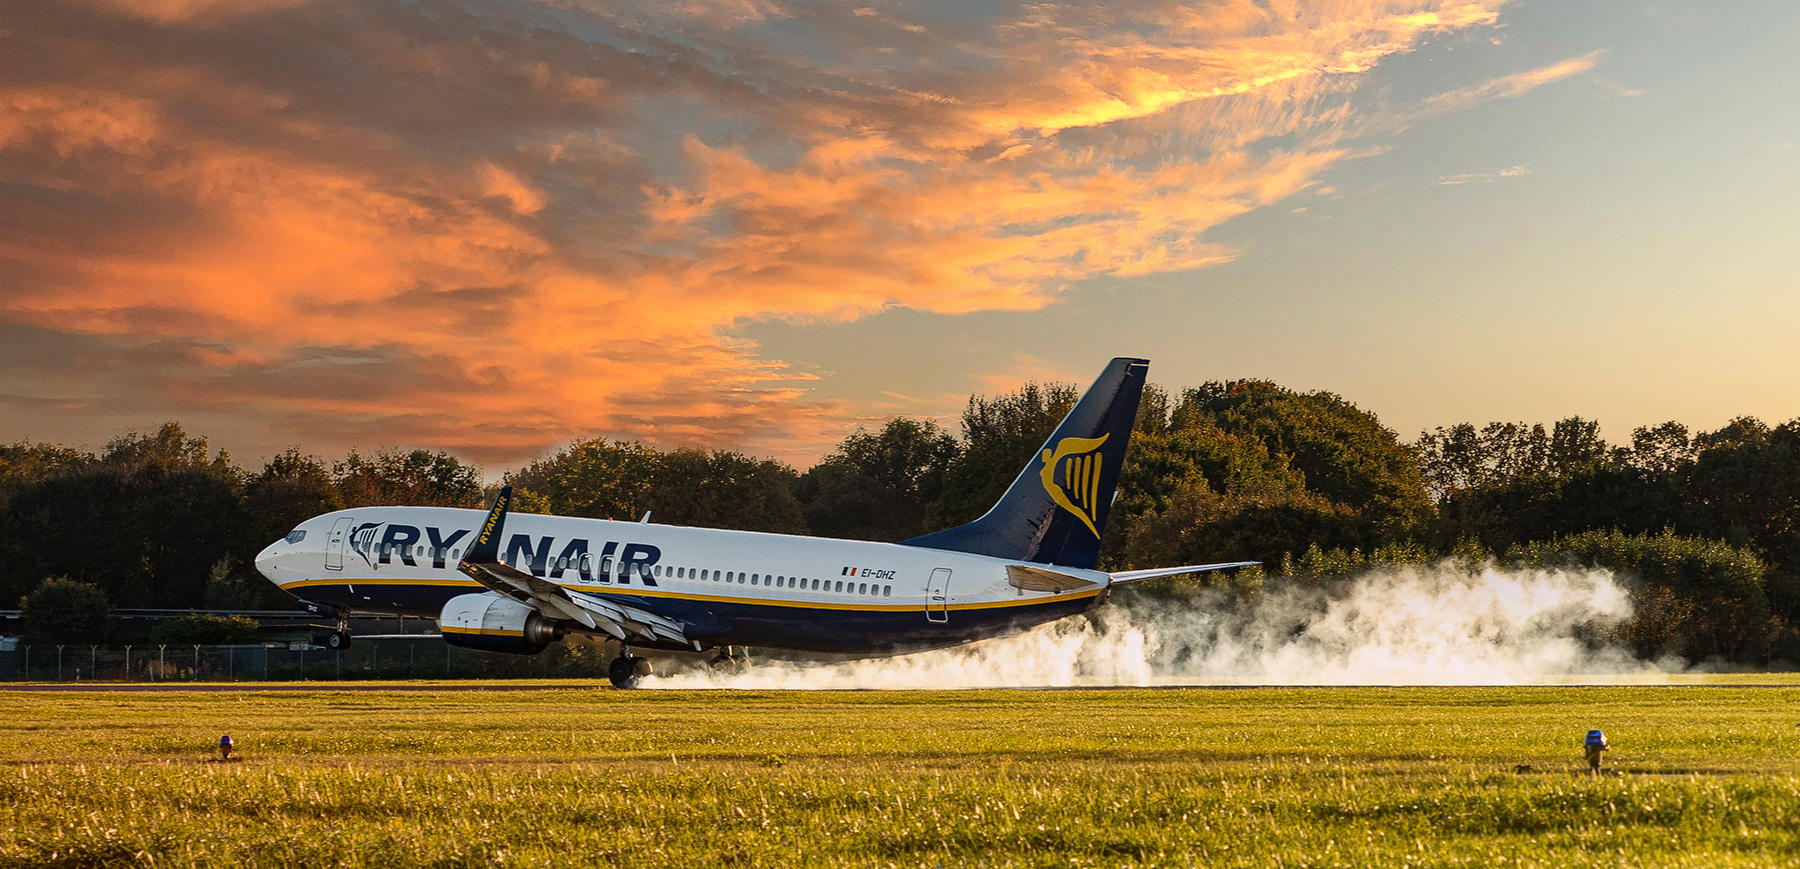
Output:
x=1158 y=572
x=1031 y=578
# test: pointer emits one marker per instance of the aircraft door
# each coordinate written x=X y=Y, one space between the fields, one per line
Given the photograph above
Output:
x=937 y=596
x=334 y=544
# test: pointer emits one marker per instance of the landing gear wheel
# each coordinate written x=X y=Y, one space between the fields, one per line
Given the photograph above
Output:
x=338 y=641
x=725 y=660
x=624 y=671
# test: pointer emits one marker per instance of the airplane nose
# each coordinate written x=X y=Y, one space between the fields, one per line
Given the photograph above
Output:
x=265 y=560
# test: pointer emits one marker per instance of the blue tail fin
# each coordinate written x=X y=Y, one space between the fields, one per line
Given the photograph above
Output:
x=1056 y=510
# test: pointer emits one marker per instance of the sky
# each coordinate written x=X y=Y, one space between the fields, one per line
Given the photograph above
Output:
x=495 y=226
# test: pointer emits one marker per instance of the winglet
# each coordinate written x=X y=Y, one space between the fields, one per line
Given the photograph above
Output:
x=486 y=549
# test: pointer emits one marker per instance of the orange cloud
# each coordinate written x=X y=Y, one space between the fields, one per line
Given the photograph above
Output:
x=497 y=228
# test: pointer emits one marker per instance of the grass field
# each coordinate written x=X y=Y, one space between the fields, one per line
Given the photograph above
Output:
x=578 y=776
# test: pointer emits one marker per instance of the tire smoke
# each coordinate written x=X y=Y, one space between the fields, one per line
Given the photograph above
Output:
x=1445 y=624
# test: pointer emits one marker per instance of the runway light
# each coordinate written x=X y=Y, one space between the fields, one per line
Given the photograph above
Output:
x=225 y=746
x=1595 y=744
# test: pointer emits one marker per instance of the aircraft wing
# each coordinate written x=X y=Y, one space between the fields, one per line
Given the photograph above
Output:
x=1157 y=572
x=482 y=563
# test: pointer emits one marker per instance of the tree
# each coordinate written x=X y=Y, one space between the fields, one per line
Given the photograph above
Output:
x=203 y=629
x=23 y=463
x=724 y=489
x=1258 y=523
x=878 y=486
x=591 y=478
x=62 y=610
x=145 y=521
x=1576 y=447
x=1663 y=449
x=1000 y=435
x=1696 y=597
x=1345 y=454
x=419 y=478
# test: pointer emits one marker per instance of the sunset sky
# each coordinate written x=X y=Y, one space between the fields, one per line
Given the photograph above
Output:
x=492 y=227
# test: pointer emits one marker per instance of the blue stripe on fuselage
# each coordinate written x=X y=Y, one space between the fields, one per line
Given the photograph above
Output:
x=714 y=622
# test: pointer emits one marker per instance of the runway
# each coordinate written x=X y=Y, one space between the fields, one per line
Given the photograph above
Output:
x=1733 y=680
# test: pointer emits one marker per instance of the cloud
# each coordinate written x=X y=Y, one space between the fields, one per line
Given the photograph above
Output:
x=1514 y=85
x=1483 y=177
x=495 y=225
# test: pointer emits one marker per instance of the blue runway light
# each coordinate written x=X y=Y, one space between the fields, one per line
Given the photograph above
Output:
x=225 y=746
x=1595 y=744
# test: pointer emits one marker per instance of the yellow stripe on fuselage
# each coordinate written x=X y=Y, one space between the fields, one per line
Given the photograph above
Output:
x=616 y=591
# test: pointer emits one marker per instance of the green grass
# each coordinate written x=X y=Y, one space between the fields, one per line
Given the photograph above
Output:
x=590 y=777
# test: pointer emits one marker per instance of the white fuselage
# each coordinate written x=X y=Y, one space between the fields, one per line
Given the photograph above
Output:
x=727 y=587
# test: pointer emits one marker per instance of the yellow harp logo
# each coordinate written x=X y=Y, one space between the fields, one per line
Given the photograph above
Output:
x=1076 y=461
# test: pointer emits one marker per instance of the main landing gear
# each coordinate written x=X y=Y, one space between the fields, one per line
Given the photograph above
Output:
x=339 y=640
x=626 y=670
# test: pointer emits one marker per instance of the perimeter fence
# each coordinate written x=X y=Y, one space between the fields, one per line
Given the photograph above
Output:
x=400 y=657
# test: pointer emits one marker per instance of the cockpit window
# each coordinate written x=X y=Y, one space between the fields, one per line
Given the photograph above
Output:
x=296 y=535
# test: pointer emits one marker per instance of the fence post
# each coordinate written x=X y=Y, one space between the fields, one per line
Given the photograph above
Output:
x=93 y=663
x=128 y=663
x=231 y=663
x=196 y=676
x=27 y=663
x=59 y=649
x=162 y=660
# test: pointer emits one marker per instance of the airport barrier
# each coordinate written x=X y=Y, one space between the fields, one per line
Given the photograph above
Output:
x=411 y=656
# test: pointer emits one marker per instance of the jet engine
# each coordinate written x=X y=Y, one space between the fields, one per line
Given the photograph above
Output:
x=493 y=623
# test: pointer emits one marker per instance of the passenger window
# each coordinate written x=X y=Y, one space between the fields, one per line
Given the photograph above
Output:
x=585 y=564
x=863 y=588
x=840 y=586
x=456 y=553
x=815 y=585
x=742 y=576
x=887 y=591
x=681 y=573
x=752 y=579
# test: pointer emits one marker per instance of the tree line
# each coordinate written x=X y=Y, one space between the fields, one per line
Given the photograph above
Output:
x=1705 y=524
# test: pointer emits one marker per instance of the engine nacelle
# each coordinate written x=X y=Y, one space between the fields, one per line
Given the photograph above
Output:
x=493 y=623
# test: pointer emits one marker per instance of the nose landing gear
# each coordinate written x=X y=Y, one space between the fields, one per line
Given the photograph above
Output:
x=339 y=640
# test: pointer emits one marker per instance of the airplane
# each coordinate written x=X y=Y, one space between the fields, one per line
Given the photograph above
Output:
x=516 y=582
